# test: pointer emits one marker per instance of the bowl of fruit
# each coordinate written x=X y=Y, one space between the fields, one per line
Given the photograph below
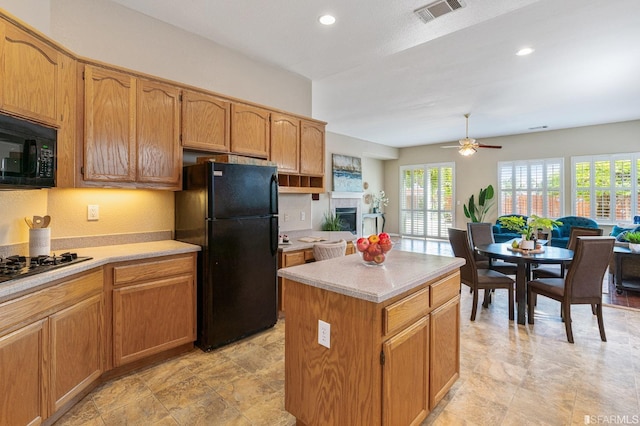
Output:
x=374 y=248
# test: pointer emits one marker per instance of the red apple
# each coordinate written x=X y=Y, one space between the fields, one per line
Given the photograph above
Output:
x=379 y=258
x=373 y=238
x=385 y=245
x=367 y=257
x=374 y=249
x=362 y=244
x=384 y=236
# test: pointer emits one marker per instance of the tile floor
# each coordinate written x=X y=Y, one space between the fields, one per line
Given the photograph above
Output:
x=510 y=375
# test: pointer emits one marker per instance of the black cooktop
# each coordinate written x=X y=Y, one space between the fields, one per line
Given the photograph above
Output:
x=14 y=267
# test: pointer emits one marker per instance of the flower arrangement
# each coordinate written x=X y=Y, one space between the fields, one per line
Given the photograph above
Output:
x=379 y=200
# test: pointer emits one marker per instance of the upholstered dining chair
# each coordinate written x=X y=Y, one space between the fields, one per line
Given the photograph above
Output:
x=482 y=233
x=324 y=251
x=476 y=278
x=582 y=284
x=559 y=271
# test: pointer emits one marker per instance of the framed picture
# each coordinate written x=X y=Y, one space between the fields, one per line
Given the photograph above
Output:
x=347 y=173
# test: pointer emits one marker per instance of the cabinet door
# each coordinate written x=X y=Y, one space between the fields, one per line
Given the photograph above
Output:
x=312 y=148
x=206 y=122
x=445 y=349
x=249 y=130
x=28 y=75
x=405 y=376
x=159 y=152
x=152 y=317
x=22 y=369
x=76 y=349
x=110 y=126
x=285 y=142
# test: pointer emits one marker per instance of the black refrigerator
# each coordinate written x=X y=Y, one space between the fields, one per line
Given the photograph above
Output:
x=231 y=211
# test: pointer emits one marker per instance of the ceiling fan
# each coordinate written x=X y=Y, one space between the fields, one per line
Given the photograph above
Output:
x=468 y=146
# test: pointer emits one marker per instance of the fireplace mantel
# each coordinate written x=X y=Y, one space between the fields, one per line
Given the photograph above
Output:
x=348 y=199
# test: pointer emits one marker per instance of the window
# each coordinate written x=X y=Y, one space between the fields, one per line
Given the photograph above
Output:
x=531 y=187
x=605 y=187
x=426 y=200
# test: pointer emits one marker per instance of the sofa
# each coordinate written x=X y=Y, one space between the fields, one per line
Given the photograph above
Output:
x=560 y=234
x=502 y=234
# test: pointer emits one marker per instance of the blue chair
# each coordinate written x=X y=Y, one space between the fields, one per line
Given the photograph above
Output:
x=560 y=234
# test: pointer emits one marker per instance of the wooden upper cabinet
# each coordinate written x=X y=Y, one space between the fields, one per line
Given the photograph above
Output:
x=158 y=131
x=285 y=142
x=206 y=122
x=110 y=126
x=250 y=130
x=29 y=75
x=311 y=148
x=132 y=131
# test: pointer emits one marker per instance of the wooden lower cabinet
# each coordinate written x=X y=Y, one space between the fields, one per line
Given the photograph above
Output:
x=154 y=307
x=76 y=349
x=23 y=375
x=388 y=363
x=444 y=349
x=50 y=348
x=405 y=376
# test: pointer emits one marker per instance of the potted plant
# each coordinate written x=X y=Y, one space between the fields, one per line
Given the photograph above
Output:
x=332 y=222
x=527 y=228
x=634 y=241
x=477 y=212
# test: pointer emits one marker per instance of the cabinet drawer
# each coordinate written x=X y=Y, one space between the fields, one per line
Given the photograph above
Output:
x=293 y=259
x=445 y=289
x=405 y=310
x=126 y=274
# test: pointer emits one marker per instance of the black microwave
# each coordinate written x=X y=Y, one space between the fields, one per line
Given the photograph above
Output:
x=27 y=154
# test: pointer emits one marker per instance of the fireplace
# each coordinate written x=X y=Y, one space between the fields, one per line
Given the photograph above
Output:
x=349 y=204
x=349 y=217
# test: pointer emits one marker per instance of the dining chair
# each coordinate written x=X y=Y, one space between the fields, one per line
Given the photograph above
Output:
x=324 y=251
x=482 y=233
x=560 y=271
x=476 y=278
x=582 y=284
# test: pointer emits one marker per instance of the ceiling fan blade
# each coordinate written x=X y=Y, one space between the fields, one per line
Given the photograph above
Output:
x=489 y=146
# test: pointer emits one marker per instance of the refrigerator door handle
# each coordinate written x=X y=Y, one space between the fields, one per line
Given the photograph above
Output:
x=274 y=235
x=274 y=193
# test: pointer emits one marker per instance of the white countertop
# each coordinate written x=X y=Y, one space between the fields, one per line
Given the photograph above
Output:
x=296 y=244
x=348 y=275
x=101 y=256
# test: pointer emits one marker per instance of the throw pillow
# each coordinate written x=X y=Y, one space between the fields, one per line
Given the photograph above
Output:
x=617 y=230
x=620 y=236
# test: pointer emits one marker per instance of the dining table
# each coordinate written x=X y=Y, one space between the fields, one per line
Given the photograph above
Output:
x=524 y=259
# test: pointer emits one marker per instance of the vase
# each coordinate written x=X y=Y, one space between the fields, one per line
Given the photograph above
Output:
x=635 y=248
x=375 y=210
x=527 y=244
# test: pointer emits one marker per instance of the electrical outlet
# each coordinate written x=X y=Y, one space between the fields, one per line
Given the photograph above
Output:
x=324 y=334
x=286 y=217
x=93 y=212
x=303 y=216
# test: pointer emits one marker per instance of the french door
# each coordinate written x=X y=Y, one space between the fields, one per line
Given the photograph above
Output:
x=426 y=200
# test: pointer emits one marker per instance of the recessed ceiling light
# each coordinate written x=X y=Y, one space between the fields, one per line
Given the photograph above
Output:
x=327 y=20
x=524 y=51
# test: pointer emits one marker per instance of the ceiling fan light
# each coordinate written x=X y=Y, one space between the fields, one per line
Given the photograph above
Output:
x=466 y=150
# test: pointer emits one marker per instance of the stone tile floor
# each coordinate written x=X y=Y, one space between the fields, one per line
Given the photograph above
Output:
x=509 y=375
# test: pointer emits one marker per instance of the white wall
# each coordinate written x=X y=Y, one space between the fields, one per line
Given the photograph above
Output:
x=480 y=169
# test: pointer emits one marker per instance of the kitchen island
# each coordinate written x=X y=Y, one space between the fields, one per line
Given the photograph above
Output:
x=390 y=351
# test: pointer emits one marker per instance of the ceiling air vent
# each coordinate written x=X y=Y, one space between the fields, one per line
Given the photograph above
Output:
x=437 y=8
